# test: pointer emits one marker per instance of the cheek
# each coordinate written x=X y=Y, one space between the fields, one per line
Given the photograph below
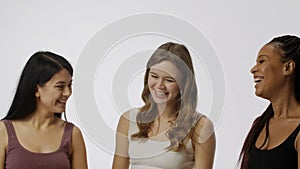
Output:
x=151 y=82
x=264 y=69
x=269 y=68
x=173 y=87
x=268 y=72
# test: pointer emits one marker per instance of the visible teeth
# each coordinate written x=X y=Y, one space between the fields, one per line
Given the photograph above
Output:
x=160 y=93
x=62 y=101
x=258 y=79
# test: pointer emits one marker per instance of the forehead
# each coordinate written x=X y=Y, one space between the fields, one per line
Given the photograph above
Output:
x=268 y=50
x=166 y=68
x=61 y=76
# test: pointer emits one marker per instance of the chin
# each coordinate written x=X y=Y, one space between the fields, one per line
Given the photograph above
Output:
x=261 y=95
x=60 y=111
x=160 y=101
x=258 y=92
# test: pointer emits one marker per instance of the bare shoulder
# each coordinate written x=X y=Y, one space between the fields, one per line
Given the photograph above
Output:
x=126 y=114
x=3 y=131
x=76 y=132
x=125 y=118
x=78 y=150
x=124 y=122
x=203 y=130
x=204 y=123
x=297 y=142
x=2 y=127
x=77 y=137
x=3 y=134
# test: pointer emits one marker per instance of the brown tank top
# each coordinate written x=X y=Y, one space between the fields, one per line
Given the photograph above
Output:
x=17 y=157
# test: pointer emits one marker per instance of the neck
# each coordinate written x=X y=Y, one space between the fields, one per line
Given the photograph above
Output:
x=166 y=111
x=284 y=101
x=40 y=120
x=285 y=107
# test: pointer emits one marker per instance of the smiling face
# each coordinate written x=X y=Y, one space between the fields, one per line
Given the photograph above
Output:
x=52 y=97
x=163 y=82
x=268 y=72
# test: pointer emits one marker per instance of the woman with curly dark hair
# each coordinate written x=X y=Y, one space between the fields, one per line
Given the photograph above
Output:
x=273 y=140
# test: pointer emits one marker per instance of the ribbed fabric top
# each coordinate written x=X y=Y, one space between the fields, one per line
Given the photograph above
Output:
x=283 y=156
x=150 y=154
x=18 y=157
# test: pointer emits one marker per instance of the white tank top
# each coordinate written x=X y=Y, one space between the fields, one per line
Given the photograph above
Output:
x=151 y=154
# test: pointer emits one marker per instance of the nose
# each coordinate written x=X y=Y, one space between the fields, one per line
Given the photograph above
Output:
x=67 y=91
x=253 y=69
x=160 y=83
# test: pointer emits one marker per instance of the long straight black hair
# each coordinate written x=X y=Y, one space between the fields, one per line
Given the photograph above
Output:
x=38 y=70
x=289 y=49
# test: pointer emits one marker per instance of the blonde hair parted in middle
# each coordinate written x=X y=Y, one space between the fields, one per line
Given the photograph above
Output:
x=187 y=116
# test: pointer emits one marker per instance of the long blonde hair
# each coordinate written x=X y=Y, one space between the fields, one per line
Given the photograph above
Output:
x=187 y=116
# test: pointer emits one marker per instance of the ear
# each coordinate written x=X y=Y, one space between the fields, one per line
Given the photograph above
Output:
x=289 y=67
x=37 y=91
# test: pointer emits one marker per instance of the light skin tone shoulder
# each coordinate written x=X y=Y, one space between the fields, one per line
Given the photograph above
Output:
x=204 y=143
x=121 y=158
x=162 y=83
x=44 y=127
x=49 y=139
x=78 y=150
x=3 y=144
x=203 y=140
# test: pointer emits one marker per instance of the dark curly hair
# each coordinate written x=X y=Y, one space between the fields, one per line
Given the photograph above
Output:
x=288 y=47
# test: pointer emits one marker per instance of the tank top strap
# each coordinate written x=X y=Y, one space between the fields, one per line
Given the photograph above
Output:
x=133 y=128
x=67 y=138
x=12 y=138
x=295 y=133
x=9 y=128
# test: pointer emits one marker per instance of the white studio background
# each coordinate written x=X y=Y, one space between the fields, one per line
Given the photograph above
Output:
x=235 y=29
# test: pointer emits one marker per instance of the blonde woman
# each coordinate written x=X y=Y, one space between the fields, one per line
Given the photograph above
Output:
x=167 y=132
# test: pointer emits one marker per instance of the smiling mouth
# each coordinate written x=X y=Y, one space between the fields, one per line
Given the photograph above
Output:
x=160 y=94
x=62 y=102
x=258 y=79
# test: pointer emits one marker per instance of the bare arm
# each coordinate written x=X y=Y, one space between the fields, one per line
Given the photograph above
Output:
x=78 y=155
x=3 y=144
x=121 y=158
x=204 y=142
x=297 y=147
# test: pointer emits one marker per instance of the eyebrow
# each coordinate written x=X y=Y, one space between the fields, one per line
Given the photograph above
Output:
x=63 y=82
x=164 y=76
x=262 y=55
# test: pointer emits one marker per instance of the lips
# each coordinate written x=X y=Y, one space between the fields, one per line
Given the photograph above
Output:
x=258 y=79
x=62 y=102
x=160 y=94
